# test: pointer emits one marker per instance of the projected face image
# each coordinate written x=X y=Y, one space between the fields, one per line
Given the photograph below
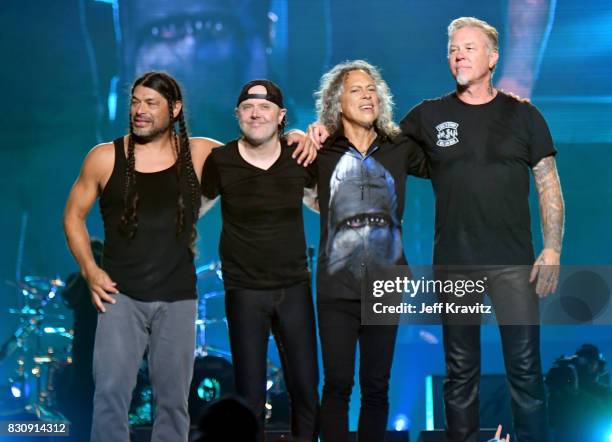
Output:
x=363 y=224
x=211 y=47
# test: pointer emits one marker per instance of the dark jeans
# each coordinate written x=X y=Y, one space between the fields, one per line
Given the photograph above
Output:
x=340 y=330
x=516 y=303
x=289 y=314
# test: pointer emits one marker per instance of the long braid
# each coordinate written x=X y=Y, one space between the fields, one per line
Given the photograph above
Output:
x=129 y=218
x=180 y=204
x=185 y=173
x=190 y=174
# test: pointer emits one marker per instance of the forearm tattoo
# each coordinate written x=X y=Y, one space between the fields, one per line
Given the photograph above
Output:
x=552 y=207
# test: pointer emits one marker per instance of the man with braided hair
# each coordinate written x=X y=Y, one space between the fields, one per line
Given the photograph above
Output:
x=145 y=290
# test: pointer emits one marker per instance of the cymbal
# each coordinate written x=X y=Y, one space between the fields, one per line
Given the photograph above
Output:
x=211 y=267
x=43 y=283
x=213 y=294
x=44 y=359
x=211 y=321
x=26 y=311
x=204 y=350
x=38 y=287
x=59 y=331
x=33 y=312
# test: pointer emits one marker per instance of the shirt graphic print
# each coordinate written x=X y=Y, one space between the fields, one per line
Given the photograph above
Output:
x=363 y=225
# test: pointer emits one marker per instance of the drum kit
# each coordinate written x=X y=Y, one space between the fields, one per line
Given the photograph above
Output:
x=213 y=374
x=40 y=349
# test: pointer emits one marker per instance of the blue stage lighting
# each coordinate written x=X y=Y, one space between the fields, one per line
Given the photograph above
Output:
x=209 y=389
x=112 y=98
x=401 y=422
x=429 y=404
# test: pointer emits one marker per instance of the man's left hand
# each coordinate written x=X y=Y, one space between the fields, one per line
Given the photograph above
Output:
x=546 y=272
x=518 y=91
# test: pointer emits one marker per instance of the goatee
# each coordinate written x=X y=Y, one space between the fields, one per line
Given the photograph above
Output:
x=461 y=80
x=151 y=136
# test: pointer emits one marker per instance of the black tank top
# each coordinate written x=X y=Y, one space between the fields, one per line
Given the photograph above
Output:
x=154 y=265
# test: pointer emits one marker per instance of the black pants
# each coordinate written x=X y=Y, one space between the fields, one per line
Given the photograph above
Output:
x=289 y=313
x=340 y=330
x=516 y=306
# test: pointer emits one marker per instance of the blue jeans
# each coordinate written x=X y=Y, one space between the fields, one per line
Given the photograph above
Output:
x=124 y=332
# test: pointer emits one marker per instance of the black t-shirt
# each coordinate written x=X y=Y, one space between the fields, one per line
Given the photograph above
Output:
x=479 y=158
x=361 y=200
x=262 y=239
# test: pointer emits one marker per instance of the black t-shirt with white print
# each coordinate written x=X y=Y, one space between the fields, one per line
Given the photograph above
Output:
x=479 y=158
x=262 y=239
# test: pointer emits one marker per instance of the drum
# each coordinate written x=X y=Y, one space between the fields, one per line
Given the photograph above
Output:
x=213 y=378
x=211 y=326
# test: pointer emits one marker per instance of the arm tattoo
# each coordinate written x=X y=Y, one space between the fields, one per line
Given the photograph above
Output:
x=552 y=207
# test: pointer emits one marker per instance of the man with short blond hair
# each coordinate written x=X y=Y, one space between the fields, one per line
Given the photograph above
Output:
x=481 y=145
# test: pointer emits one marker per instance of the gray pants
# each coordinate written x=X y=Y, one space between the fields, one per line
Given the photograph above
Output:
x=122 y=336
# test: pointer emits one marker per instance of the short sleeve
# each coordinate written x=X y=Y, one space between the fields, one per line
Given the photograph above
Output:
x=211 y=180
x=413 y=143
x=312 y=170
x=540 y=141
x=411 y=125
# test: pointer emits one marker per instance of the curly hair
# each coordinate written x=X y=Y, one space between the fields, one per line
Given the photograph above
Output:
x=169 y=88
x=329 y=112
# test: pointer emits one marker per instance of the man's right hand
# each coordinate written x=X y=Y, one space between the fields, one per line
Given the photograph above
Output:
x=317 y=134
x=100 y=286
